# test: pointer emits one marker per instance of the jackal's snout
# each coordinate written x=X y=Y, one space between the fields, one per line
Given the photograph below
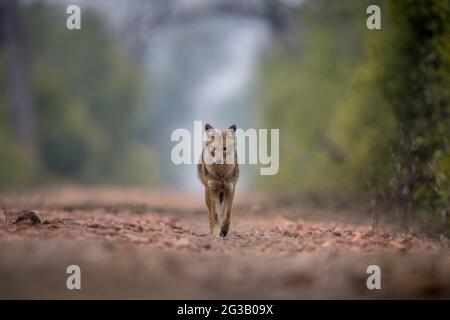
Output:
x=219 y=162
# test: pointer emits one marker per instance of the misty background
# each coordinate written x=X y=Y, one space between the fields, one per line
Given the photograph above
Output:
x=363 y=114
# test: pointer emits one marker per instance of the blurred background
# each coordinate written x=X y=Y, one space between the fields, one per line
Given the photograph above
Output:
x=364 y=115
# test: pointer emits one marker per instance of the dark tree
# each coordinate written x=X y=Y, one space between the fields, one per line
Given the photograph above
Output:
x=18 y=75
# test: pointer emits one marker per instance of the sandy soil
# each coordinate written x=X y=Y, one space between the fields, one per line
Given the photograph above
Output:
x=140 y=243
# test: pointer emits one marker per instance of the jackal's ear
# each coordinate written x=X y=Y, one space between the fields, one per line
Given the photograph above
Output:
x=232 y=127
x=208 y=126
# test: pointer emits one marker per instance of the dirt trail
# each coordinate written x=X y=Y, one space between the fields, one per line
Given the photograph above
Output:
x=136 y=243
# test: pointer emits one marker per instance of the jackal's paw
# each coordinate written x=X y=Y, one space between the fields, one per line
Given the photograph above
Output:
x=223 y=234
x=215 y=233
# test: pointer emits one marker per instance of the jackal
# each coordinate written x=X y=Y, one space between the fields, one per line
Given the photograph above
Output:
x=218 y=170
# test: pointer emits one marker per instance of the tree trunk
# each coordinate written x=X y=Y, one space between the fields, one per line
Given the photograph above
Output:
x=18 y=76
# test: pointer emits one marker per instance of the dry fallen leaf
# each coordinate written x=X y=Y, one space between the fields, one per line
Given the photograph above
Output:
x=136 y=239
x=182 y=242
x=398 y=245
x=357 y=237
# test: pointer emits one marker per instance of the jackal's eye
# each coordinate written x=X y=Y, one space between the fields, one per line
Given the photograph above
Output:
x=213 y=153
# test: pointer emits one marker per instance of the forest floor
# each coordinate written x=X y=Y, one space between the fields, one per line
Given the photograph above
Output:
x=140 y=243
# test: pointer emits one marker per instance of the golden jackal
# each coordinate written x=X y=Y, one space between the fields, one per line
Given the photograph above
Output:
x=218 y=171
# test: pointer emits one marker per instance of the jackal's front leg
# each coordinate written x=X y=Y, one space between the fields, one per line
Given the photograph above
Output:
x=213 y=220
x=226 y=210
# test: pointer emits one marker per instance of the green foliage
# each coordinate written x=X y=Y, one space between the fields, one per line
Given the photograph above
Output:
x=361 y=112
x=90 y=104
x=416 y=82
x=333 y=120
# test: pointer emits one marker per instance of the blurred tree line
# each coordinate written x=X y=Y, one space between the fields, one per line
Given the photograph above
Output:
x=89 y=102
x=364 y=113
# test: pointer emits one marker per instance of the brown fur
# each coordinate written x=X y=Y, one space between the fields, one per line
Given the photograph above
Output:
x=219 y=181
